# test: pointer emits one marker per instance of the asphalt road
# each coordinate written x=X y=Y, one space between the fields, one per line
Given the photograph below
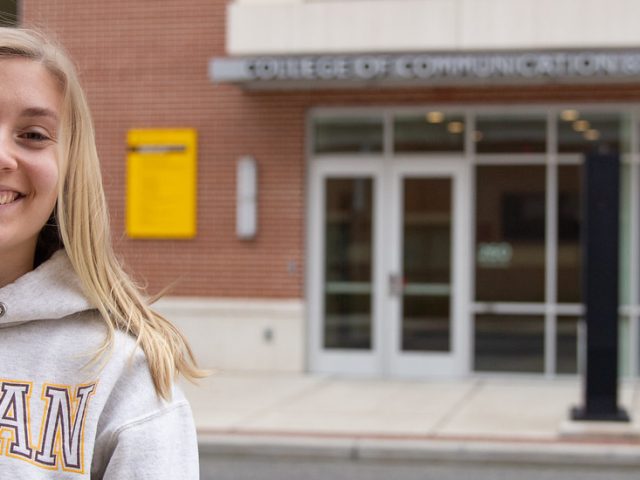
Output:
x=277 y=468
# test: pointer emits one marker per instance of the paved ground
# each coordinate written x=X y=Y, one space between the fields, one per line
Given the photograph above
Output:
x=499 y=419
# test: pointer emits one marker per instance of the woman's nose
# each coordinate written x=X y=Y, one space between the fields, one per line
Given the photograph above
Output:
x=8 y=159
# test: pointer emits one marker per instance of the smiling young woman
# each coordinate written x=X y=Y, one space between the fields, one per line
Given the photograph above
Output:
x=87 y=384
x=30 y=101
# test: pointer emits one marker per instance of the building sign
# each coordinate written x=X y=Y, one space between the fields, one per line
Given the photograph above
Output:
x=431 y=68
x=161 y=183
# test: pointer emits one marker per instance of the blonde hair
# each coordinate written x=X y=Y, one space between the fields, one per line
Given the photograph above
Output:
x=83 y=223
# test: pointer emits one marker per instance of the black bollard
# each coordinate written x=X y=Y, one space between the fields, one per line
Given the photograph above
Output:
x=601 y=193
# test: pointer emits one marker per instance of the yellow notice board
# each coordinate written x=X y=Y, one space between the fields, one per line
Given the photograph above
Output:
x=161 y=183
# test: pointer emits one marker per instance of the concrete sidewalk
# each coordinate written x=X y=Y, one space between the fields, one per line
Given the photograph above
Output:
x=474 y=419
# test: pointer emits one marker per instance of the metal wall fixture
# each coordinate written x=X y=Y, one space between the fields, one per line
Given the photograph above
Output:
x=246 y=198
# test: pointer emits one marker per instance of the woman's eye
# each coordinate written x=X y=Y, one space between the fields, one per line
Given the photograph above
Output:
x=37 y=136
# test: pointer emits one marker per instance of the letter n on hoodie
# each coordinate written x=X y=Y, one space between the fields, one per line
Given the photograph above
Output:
x=59 y=426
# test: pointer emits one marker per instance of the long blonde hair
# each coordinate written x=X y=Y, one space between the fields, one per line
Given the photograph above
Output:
x=82 y=223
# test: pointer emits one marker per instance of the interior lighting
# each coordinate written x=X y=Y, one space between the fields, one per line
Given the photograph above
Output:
x=581 y=125
x=435 y=117
x=478 y=135
x=455 y=127
x=569 y=115
x=592 y=134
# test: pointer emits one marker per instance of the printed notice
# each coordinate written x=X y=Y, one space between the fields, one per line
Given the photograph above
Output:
x=161 y=183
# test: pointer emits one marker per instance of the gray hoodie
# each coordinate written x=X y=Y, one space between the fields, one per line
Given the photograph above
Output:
x=63 y=419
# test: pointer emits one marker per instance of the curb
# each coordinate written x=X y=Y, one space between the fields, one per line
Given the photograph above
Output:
x=516 y=451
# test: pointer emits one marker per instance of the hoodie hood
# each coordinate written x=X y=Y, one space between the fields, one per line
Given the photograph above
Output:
x=49 y=292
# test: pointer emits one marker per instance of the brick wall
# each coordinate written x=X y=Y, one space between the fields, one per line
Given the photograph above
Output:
x=144 y=65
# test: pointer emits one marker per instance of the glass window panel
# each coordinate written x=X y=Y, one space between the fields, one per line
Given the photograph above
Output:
x=347 y=321
x=348 y=262
x=624 y=274
x=510 y=233
x=425 y=323
x=580 y=132
x=426 y=264
x=431 y=132
x=567 y=344
x=509 y=343
x=348 y=135
x=569 y=245
x=624 y=346
x=8 y=13
x=511 y=134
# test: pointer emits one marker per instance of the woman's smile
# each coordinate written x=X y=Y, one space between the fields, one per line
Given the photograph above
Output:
x=9 y=196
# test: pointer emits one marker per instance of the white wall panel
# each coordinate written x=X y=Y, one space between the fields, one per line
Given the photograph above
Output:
x=539 y=24
x=241 y=334
x=340 y=26
x=331 y=26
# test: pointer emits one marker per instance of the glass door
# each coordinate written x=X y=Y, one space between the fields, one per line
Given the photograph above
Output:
x=385 y=283
x=426 y=287
x=345 y=266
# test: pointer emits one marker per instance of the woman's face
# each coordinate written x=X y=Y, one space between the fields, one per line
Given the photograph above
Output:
x=30 y=107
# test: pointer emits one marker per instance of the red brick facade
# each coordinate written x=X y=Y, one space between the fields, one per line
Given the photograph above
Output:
x=144 y=65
